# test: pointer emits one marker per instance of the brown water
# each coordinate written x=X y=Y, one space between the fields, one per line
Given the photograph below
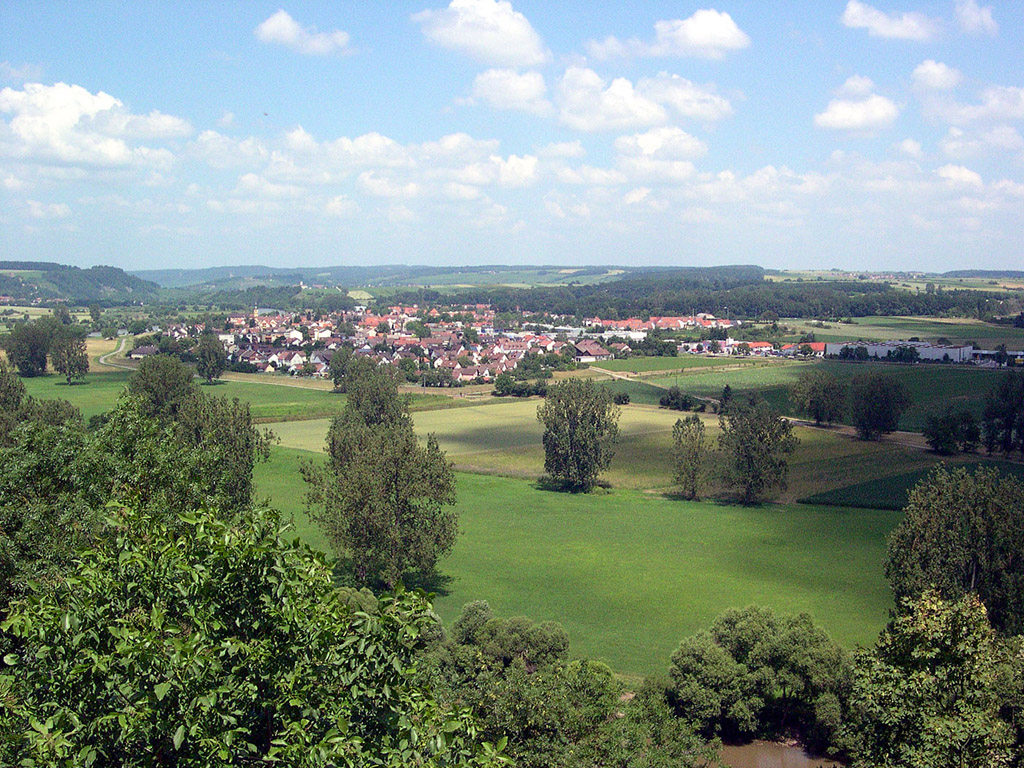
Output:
x=765 y=754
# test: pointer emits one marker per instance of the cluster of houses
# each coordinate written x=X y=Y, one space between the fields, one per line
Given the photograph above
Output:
x=460 y=344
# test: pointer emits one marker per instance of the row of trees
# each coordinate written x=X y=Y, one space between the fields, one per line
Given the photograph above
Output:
x=55 y=339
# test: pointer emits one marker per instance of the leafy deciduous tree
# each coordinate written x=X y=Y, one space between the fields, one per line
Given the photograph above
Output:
x=210 y=358
x=690 y=450
x=877 y=401
x=222 y=646
x=580 y=427
x=951 y=431
x=69 y=354
x=963 y=532
x=756 y=442
x=819 y=395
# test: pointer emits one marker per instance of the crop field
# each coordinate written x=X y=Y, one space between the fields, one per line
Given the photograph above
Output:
x=931 y=387
x=647 y=364
x=880 y=328
x=891 y=492
x=630 y=574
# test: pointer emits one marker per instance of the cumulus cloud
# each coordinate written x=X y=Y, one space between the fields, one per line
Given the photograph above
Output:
x=959 y=176
x=508 y=89
x=667 y=143
x=865 y=112
x=958 y=143
x=936 y=76
x=910 y=148
x=380 y=186
x=21 y=74
x=686 y=98
x=281 y=29
x=707 y=34
x=489 y=31
x=996 y=104
x=563 y=149
x=68 y=124
x=903 y=26
x=975 y=20
x=587 y=102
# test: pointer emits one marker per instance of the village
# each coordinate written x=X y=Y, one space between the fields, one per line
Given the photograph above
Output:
x=461 y=344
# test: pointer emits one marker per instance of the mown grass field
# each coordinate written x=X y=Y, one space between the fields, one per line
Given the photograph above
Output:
x=957 y=330
x=504 y=439
x=629 y=574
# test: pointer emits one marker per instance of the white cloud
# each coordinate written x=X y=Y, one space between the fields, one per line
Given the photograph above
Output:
x=591 y=176
x=39 y=210
x=516 y=171
x=21 y=74
x=507 y=89
x=997 y=104
x=340 y=206
x=637 y=195
x=862 y=116
x=910 y=148
x=563 y=149
x=961 y=144
x=974 y=19
x=281 y=29
x=856 y=86
x=904 y=26
x=686 y=98
x=222 y=151
x=254 y=185
x=960 y=176
x=587 y=102
x=489 y=31
x=936 y=76
x=67 y=124
x=226 y=120
x=379 y=186
x=707 y=34
x=666 y=143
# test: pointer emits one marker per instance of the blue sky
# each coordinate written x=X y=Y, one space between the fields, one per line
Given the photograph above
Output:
x=792 y=135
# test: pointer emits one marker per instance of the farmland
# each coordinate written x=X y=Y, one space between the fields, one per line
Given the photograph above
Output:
x=958 y=330
x=629 y=574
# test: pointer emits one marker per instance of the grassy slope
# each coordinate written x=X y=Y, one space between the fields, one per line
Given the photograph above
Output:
x=644 y=364
x=630 y=574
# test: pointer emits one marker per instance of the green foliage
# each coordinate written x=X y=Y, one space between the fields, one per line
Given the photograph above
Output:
x=877 y=401
x=69 y=353
x=756 y=444
x=28 y=344
x=951 y=431
x=161 y=384
x=580 y=427
x=382 y=499
x=819 y=395
x=516 y=677
x=928 y=693
x=1003 y=419
x=690 y=453
x=215 y=644
x=756 y=673
x=964 y=533
x=210 y=358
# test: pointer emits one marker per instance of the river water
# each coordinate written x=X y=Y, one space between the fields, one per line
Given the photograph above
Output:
x=766 y=754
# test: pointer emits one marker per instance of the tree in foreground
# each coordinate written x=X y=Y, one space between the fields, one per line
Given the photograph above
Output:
x=756 y=673
x=28 y=344
x=210 y=358
x=928 y=694
x=756 y=443
x=161 y=384
x=819 y=395
x=580 y=429
x=963 y=533
x=877 y=401
x=690 y=450
x=382 y=499
x=69 y=354
x=220 y=645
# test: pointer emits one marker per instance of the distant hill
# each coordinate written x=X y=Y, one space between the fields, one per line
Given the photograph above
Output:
x=993 y=274
x=29 y=281
x=247 y=276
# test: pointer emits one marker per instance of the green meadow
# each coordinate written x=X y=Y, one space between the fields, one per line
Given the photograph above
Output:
x=682 y=362
x=629 y=574
x=881 y=328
